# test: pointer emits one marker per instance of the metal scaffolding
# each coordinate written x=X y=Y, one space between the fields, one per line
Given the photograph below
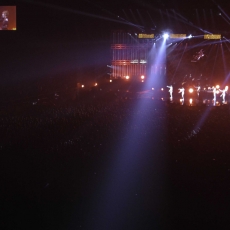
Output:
x=129 y=55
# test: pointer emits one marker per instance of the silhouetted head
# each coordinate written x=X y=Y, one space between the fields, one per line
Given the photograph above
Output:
x=5 y=14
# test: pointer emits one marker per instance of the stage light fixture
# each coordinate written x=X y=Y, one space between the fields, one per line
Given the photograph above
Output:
x=178 y=36
x=191 y=90
x=126 y=77
x=142 y=77
x=165 y=36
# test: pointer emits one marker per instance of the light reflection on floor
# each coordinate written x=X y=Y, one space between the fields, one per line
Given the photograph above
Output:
x=192 y=102
x=189 y=101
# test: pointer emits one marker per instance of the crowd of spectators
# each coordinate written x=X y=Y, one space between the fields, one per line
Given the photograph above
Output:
x=78 y=125
x=45 y=136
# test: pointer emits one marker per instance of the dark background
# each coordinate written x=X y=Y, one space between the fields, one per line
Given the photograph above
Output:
x=61 y=37
x=104 y=162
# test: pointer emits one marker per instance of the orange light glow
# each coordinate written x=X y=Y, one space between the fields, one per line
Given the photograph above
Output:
x=190 y=90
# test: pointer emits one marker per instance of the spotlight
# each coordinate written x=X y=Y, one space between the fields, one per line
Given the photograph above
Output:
x=190 y=36
x=126 y=77
x=142 y=77
x=165 y=36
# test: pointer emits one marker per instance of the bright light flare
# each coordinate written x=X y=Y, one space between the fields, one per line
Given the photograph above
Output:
x=162 y=89
x=110 y=80
x=217 y=86
x=190 y=101
x=142 y=77
x=95 y=84
x=82 y=86
x=127 y=77
x=190 y=90
x=165 y=36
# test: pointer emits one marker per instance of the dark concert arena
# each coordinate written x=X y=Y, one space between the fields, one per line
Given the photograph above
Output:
x=115 y=115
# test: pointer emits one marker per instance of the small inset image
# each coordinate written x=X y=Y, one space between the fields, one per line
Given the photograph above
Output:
x=7 y=17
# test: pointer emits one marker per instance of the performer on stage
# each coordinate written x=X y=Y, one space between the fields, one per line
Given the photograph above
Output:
x=214 y=93
x=198 y=90
x=170 y=90
x=4 y=20
x=181 y=90
x=223 y=93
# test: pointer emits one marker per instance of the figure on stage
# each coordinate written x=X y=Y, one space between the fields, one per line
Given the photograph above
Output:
x=181 y=90
x=214 y=93
x=4 y=20
x=223 y=93
x=198 y=90
x=170 y=91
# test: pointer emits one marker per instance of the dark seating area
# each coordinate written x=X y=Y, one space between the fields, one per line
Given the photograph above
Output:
x=115 y=163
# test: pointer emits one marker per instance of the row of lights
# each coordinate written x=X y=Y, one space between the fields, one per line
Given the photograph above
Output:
x=191 y=90
x=166 y=36
x=128 y=77
x=83 y=86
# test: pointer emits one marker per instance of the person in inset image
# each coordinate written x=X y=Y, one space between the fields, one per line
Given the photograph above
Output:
x=4 y=20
